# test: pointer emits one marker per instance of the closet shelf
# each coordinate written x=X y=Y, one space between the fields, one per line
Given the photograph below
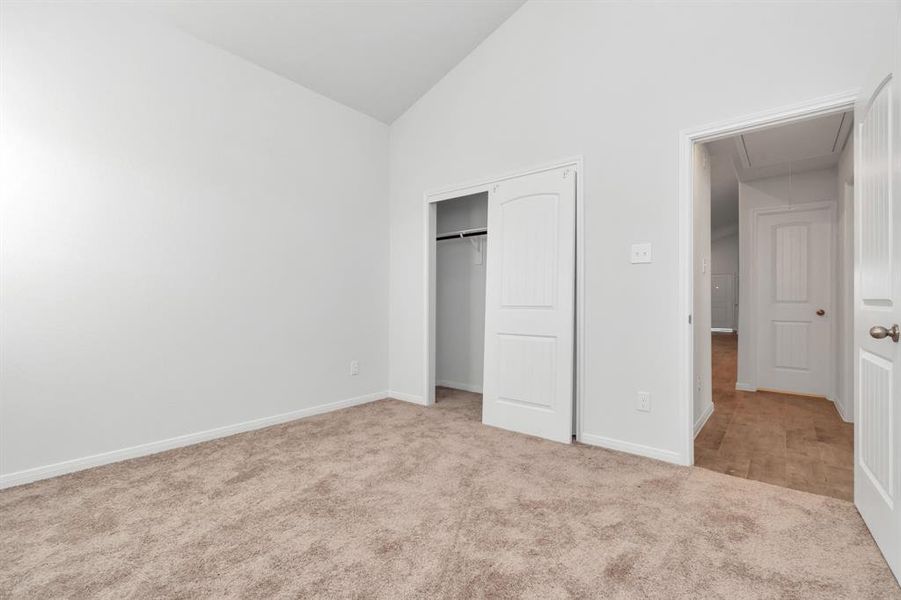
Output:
x=463 y=233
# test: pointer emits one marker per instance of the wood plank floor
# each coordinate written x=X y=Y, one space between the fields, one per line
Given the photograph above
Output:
x=792 y=441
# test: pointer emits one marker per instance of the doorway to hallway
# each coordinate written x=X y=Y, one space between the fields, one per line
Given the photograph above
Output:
x=773 y=235
x=793 y=441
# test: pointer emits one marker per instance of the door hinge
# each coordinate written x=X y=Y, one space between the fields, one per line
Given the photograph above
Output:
x=689 y=319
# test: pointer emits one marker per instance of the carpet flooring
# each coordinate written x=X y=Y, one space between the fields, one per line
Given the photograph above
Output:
x=393 y=500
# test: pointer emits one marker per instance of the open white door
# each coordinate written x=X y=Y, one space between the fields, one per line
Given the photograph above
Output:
x=530 y=305
x=877 y=308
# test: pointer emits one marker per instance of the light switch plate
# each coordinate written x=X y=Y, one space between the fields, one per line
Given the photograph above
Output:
x=641 y=253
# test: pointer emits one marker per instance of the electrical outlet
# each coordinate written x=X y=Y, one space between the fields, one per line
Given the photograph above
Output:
x=354 y=367
x=641 y=253
x=644 y=402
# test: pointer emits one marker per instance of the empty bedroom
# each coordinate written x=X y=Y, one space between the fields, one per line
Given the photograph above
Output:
x=450 y=299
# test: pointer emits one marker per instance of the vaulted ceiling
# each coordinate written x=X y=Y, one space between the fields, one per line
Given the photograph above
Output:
x=377 y=56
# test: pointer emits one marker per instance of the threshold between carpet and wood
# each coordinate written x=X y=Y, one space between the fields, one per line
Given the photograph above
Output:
x=394 y=500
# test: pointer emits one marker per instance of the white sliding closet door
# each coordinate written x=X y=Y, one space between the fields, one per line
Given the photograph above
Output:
x=530 y=305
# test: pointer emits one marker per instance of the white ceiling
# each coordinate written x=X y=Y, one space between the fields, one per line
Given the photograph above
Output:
x=377 y=56
x=797 y=141
x=797 y=147
x=802 y=146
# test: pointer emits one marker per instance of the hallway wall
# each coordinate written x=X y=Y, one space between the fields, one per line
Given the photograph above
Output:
x=844 y=356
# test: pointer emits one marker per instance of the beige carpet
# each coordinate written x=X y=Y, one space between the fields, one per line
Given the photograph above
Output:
x=392 y=500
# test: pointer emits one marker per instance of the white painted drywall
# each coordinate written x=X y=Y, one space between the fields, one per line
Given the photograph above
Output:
x=701 y=311
x=844 y=309
x=189 y=241
x=724 y=253
x=467 y=212
x=615 y=83
x=460 y=294
x=799 y=188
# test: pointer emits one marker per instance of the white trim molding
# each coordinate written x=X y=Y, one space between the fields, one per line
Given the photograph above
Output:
x=840 y=408
x=466 y=387
x=412 y=398
x=632 y=448
x=105 y=458
x=816 y=107
x=745 y=387
x=702 y=420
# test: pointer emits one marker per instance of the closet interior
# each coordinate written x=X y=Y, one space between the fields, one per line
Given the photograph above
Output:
x=461 y=258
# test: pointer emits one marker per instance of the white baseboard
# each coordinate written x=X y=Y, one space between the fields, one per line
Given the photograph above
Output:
x=702 y=420
x=414 y=398
x=841 y=410
x=623 y=446
x=745 y=387
x=466 y=387
x=721 y=330
x=105 y=458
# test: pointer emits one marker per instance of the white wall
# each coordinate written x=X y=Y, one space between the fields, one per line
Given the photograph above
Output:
x=460 y=295
x=844 y=393
x=467 y=212
x=724 y=253
x=189 y=241
x=799 y=188
x=614 y=82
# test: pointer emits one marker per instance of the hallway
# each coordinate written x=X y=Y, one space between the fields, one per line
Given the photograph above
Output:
x=792 y=441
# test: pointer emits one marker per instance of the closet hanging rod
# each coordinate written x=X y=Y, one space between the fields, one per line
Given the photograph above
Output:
x=463 y=233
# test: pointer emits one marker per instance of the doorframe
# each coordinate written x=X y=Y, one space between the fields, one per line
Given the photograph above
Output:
x=817 y=107
x=484 y=184
x=754 y=307
x=844 y=389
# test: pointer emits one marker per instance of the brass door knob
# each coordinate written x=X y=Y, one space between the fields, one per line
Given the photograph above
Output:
x=820 y=312
x=879 y=332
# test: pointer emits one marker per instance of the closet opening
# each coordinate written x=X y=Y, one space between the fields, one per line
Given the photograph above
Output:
x=461 y=245
x=502 y=300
